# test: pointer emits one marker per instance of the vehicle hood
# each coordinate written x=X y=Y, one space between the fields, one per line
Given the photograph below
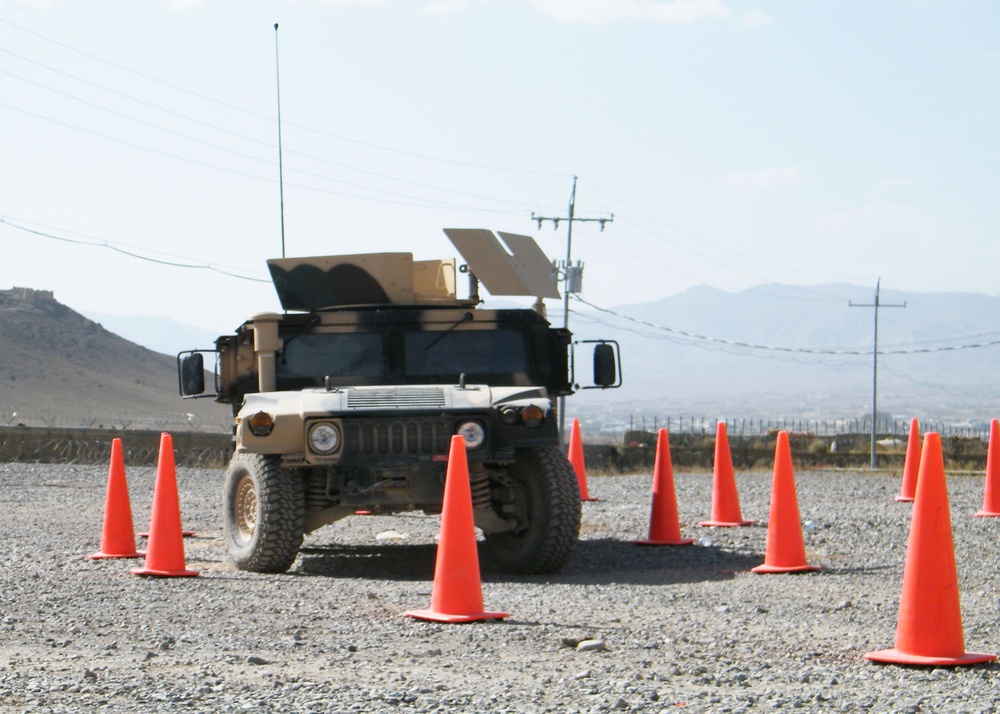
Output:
x=344 y=400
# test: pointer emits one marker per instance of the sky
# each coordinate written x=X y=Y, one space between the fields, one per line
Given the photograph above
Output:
x=733 y=143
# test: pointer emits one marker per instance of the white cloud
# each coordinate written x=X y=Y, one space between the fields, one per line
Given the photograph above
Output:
x=373 y=3
x=443 y=7
x=756 y=18
x=763 y=179
x=597 y=12
x=173 y=5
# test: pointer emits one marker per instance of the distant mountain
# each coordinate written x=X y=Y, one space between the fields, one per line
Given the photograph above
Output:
x=160 y=334
x=768 y=352
x=60 y=368
x=775 y=351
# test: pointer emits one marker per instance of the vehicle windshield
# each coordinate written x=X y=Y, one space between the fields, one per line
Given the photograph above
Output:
x=314 y=355
x=497 y=356
x=464 y=351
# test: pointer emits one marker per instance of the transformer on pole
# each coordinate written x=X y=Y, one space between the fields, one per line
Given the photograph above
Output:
x=572 y=275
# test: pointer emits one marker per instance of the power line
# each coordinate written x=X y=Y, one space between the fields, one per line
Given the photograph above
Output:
x=810 y=360
x=777 y=348
x=721 y=343
x=117 y=248
x=271 y=118
x=572 y=276
x=937 y=387
x=436 y=203
x=137 y=120
x=715 y=247
x=235 y=134
x=415 y=201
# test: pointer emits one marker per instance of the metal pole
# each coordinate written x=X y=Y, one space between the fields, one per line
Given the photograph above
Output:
x=875 y=376
x=566 y=275
x=569 y=250
x=876 y=304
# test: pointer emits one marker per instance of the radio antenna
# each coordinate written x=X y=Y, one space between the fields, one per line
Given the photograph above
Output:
x=281 y=179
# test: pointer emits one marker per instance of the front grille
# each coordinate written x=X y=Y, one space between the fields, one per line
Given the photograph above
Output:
x=360 y=398
x=397 y=436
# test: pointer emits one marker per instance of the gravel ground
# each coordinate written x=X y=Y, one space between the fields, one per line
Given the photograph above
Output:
x=686 y=627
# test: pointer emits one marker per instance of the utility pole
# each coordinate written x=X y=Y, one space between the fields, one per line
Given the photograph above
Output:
x=876 y=304
x=572 y=276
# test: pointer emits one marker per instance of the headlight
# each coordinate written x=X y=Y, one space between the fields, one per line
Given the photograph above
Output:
x=324 y=438
x=260 y=424
x=510 y=415
x=473 y=433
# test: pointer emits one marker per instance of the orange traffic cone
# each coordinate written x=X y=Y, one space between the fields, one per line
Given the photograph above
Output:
x=664 y=525
x=576 y=458
x=911 y=464
x=118 y=534
x=725 y=501
x=786 y=552
x=929 y=630
x=165 y=549
x=457 y=595
x=991 y=494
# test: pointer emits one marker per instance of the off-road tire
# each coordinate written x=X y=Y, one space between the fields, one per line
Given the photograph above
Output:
x=547 y=483
x=263 y=513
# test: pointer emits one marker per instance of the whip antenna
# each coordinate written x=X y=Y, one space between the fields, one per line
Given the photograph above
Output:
x=281 y=180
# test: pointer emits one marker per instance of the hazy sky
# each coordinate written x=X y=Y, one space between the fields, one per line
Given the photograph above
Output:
x=735 y=143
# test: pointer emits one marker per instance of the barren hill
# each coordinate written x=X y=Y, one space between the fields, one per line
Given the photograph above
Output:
x=59 y=368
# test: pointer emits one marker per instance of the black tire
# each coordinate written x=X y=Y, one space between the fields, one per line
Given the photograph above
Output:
x=263 y=514
x=549 y=493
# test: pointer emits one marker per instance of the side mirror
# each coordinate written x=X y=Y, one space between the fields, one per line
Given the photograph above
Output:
x=607 y=364
x=605 y=372
x=192 y=374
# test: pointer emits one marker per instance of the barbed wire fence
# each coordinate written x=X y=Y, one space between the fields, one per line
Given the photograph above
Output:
x=27 y=416
x=60 y=445
x=741 y=426
x=65 y=436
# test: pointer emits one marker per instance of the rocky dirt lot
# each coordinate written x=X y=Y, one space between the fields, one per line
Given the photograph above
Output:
x=686 y=628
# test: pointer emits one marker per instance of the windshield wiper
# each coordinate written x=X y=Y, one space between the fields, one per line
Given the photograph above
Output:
x=465 y=318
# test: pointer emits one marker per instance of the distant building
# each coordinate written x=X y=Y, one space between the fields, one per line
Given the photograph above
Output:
x=28 y=295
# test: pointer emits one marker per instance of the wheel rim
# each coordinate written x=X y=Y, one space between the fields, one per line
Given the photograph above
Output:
x=245 y=508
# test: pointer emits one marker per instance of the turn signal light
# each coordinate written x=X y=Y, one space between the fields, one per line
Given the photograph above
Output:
x=261 y=423
x=532 y=416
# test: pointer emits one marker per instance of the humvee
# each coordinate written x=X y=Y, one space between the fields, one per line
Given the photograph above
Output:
x=346 y=403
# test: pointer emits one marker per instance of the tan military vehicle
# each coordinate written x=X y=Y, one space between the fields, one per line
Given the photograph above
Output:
x=346 y=403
